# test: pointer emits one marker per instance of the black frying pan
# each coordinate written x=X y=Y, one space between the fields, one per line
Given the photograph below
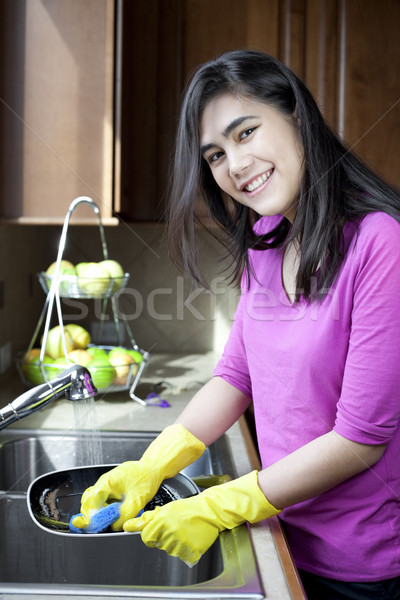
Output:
x=55 y=497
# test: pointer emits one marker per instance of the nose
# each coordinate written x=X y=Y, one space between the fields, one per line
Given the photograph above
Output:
x=239 y=162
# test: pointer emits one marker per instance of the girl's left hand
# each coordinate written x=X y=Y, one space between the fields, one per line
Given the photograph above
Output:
x=187 y=528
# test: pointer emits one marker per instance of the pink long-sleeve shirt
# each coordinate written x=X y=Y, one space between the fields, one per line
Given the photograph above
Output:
x=335 y=365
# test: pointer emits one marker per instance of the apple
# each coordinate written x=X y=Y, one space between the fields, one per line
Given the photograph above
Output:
x=60 y=364
x=54 y=346
x=79 y=267
x=57 y=367
x=67 y=270
x=93 y=280
x=122 y=364
x=115 y=351
x=137 y=356
x=33 y=372
x=80 y=336
x=97 y=352
x=102 y=372
x=81 y=357
x=29 y=356
x=116 y=272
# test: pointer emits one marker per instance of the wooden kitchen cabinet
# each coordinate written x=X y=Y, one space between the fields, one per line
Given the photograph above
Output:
x=57 y=108
x=347 y=51
x=351 y=63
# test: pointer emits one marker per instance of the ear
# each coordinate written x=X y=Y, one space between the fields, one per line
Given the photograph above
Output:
x=296 y=116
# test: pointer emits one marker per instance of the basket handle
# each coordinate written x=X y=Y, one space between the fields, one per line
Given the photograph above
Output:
x=54 y=292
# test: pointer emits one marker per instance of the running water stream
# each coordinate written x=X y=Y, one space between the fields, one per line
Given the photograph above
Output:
x=89 y=450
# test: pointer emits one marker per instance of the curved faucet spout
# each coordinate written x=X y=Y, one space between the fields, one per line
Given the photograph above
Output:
x=75 y=383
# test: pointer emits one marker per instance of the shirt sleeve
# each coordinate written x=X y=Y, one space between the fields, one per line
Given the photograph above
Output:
x=369 y=407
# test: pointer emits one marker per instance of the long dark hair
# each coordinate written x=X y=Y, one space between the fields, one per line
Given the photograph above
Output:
x=337 y=185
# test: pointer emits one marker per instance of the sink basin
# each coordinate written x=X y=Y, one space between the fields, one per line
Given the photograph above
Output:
x=25 y=457
x=36 y=562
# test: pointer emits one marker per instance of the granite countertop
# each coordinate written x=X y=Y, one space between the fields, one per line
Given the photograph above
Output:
x=176 y=378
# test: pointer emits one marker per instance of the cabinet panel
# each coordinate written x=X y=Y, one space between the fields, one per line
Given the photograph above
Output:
x=57 y=107
x=348 y=53
x=370 y=83
x=150 y=87
x=163 y=41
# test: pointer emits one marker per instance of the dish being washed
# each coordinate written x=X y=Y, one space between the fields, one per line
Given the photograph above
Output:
x=54 y=498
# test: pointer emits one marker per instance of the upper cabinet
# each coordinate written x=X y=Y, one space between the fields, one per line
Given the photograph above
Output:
x=351 y=62
x=57 y=107
x=347 y=51
x=91 y=89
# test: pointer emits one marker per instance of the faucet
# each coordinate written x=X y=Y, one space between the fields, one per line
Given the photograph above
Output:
x=75 y=382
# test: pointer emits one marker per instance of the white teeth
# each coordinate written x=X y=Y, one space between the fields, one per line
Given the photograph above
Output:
x=258 y=182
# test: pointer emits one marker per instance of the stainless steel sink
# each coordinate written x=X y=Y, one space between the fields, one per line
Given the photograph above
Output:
x=26 y=455
x=37 y=562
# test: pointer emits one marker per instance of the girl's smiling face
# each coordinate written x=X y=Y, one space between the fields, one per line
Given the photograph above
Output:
x=254 y=152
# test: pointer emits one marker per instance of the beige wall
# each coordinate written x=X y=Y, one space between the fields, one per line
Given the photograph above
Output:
x=153 y=302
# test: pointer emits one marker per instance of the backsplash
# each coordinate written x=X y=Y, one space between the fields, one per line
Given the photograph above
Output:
x=155 y=303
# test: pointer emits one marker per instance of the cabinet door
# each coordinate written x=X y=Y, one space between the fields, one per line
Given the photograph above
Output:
x=56 y=111
x=347 y=51
x=352 y=65
x=162 y=42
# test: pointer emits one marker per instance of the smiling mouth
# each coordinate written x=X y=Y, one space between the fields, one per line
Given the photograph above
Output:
x=258 y=182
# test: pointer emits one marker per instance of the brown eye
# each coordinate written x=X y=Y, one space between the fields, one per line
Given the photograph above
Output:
x=214 y=157
x=247 y=132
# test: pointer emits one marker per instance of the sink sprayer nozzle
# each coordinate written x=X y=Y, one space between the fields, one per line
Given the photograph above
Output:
x=75 y=383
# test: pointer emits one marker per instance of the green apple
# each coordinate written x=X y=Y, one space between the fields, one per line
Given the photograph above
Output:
x=28 y=358
x=54 y=346
x=57 y=367
x=97 y=352
x=137 y=356
x=80 y=336
x=116 y=272
x=33 y=372
x=94 y=280
x=102 y=372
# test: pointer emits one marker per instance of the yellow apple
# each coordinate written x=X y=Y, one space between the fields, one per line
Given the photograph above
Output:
x=81 y=357
x=79 y=267
x=116 y=272
x=67 y=270
x=94 y=280
x=123 y=364
x=54 y=346
x=116 y=350
x=80 y=336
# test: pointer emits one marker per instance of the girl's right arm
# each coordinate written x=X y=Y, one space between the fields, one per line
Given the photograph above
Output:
x=213 y=410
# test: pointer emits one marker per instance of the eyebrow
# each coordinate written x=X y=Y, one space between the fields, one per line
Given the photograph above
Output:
x=228 y=129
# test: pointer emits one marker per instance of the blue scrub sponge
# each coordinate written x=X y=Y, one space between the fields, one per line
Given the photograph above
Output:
x=100 y=520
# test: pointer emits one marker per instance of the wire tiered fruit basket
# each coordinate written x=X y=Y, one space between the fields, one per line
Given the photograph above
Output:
x=122 y=372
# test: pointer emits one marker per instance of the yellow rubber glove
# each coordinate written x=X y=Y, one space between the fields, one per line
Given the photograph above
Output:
x=187 y=528
x=137 y=482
